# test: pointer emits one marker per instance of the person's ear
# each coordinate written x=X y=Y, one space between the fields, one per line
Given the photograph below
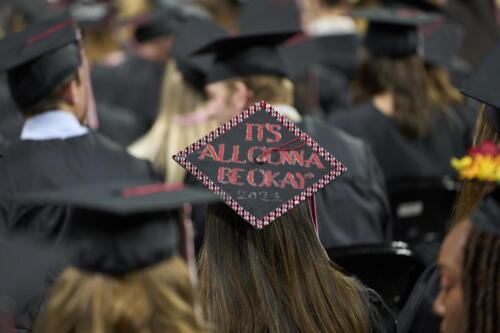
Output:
x=242 y=96
x=71 y=94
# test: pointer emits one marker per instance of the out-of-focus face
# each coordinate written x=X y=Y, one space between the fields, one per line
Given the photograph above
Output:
x=449 y=304
x=222 y=103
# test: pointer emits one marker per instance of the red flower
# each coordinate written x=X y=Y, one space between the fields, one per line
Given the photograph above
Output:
x=487 y=148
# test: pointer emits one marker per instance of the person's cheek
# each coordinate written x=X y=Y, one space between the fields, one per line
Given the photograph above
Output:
x=455 y=310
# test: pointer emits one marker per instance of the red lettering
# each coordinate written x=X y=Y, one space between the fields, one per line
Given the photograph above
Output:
x=222 y=148
x=251 y=155
x=209 y=151
x=292 y=157
x=269 y=158
x=249 y=132
x=290 y=180
x=251 y=178
x=235 y=178
x=274 y=129
x=236 y=154
x=224 y=175
x=270 y=178
x=314 y=159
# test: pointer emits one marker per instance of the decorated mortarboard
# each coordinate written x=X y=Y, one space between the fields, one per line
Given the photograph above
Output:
x=394 y=32
x=40 y=57
x=254 y=51
x=442 y=40
x=486 y=215
x=158 y=23
x=484 y=85
x=260 y=164
x=191 y=35
x=118 y=228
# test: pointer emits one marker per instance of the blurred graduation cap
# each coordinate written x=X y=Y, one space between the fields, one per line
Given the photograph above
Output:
x=260 y=164
x=40 y=57
x=191 y=35
x=118 y=228
x=254 y=50
x=486 y=216
x=92 y=14
x=423 y=5
x=484 y=84
x=393 y=32
x=158 y=23
x=442 y=40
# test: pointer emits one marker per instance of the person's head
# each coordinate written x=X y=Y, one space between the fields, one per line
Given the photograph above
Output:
x=442 y=92
x=278 y=279
x=449 y=304
x=151 y=300
x=48 y=71
x=227 y=98
x=391 y=65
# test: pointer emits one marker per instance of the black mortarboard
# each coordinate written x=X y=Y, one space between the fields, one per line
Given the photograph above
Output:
x=158 y=23
x=424 y=5
x=40 y=57
x=92 y=14
x=486 y=216
x=484 y=85
x=393 y=32
x=260 y=164
x=254 y=50
x=118 y=228
x=191 y=35
x=442 y=40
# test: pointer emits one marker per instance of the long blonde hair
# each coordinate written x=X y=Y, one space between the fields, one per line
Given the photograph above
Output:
x=159 y=299
x=167 y=137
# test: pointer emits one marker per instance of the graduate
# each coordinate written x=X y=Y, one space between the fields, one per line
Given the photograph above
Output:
x=248 y=68
x=410 y=136
x=131 y=264
x=48 y=79
x=262 y=266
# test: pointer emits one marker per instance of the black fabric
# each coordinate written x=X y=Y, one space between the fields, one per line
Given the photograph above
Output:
x=255 y=17
x=58 y=164
x=134 y=84
x=417 y=315
x=442 y=41
x=381 y=319
x=11 y=121
x=401 y=157
x=119 y=124
x=159 y=23
x=354 y=209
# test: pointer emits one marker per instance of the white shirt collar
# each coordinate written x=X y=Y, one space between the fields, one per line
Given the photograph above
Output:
x=338 y=25
x=288 y=111
x=52 y=125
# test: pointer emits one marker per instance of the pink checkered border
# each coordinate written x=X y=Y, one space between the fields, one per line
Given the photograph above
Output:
x=338 y=168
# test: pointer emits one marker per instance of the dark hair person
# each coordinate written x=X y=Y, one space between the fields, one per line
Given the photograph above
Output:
x=262 y=266
x=411 y=135
x=482 y=86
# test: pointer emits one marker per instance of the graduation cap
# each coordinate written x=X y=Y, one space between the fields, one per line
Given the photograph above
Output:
x=260 y=164
x=483 y=86
x=423 y=5
x=40 y=57
x=158 y=23
x=118 y=228
x=92 y=14
x=486 y=216
x=191 y=35
x=442 y=40
x=393 y=32
x=264 y=25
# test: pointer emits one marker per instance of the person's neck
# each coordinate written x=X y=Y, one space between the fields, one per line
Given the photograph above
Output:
x=384 y=102
x=331 y=12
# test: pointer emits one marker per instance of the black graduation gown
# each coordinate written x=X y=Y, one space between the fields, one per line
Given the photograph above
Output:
x=401 y=157
x=381 y=318
x=55 y=164
x=354 y=209
x=135 y=85
x=417 y=316
x=11 y=121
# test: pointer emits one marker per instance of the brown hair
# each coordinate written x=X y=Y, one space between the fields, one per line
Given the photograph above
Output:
x=53 y=99
x=167 y=137
x=269 y=88
x=442 y=93
x=153 y=300
x=278 y=279
x=405 y=78
x=481 y=282
x=472 y=191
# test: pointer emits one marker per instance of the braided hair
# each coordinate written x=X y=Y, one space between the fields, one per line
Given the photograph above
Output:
x=482 y=282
